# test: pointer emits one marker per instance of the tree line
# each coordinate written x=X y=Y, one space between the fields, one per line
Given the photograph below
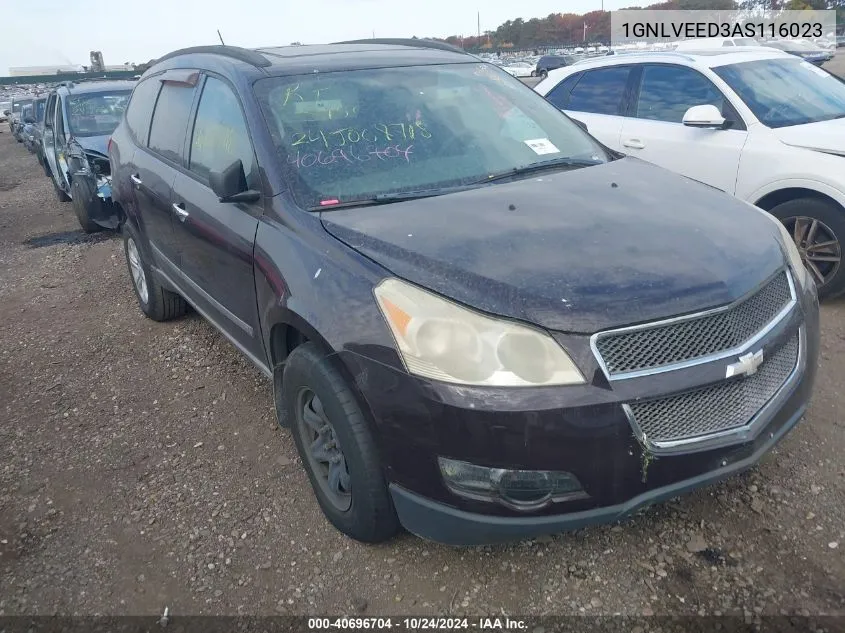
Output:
x=569 y=28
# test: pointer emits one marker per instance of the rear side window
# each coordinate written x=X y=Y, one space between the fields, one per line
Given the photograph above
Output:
x=600 y=91
x=170 y=120
x=667 y=92
x=140 y=109
x=559 y=95
x=220 y=135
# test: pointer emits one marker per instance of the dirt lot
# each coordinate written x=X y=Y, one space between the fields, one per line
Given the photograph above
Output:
x=141 y=467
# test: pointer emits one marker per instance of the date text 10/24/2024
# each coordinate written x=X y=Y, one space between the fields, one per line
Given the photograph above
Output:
x=419 y=623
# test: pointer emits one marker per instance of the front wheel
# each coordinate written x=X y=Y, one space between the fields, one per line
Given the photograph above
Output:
x=818 y=228
x=84 y=196
x=336 y=447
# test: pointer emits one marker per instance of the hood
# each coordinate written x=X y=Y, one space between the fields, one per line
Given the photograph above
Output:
x=574 y=251
x=97 y=144
x=824 y=136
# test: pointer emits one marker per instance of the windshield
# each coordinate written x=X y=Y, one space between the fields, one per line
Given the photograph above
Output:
x=354 y=135
x=784 y=92
x=40 y=105
x=18 y=105
x=96 y=113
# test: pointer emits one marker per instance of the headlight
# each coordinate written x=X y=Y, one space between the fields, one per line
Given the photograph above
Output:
x=441 y=340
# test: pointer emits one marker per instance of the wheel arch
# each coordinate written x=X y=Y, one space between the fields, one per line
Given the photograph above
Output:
x=289 y=332
x=772 y=199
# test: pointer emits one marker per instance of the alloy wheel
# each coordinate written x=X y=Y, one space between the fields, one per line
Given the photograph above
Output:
x=137 y=270
x=820 y=251
x=323 y=451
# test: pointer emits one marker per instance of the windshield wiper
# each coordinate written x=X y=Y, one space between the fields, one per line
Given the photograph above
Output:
x=399 y=196
x=387 y=198
x=539 y=166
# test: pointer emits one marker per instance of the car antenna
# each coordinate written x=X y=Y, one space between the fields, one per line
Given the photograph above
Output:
x=221 y=37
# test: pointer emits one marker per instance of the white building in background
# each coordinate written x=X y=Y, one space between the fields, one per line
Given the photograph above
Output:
x=25 y=71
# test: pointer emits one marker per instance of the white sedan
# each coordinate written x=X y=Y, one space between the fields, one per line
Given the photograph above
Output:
x=520 y=69
x=757 y=123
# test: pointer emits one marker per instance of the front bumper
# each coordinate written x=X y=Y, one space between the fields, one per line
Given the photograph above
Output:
x=583 y=430
x=451 y=526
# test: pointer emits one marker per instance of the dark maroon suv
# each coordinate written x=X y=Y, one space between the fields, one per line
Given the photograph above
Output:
x=480 y=323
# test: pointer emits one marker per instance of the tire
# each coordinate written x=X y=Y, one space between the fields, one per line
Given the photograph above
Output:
x=84 y=195
x=278 y=398
x=831 y=219
x=46 y=167
x=543 y=74
x=370 y=516
x=159 y=304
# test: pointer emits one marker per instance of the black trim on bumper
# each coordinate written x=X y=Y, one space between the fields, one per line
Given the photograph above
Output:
x=450 y=526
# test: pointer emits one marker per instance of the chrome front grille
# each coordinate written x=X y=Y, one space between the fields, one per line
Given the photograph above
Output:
x=714 y=409
x=687 y=338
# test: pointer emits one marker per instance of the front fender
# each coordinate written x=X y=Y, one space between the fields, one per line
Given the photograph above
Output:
x=306 y=279
x=818 y=186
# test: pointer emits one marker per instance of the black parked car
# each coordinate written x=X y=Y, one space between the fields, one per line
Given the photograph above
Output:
x=550 y=62
x=480 y=323
x=15 y=122
x=79 y=119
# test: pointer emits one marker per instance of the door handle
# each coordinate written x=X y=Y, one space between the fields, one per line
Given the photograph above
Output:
x=135 y=179
x=180 y=211
x=633 y=143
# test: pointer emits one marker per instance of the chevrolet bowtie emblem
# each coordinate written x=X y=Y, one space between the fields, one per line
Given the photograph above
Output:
x=746 y=364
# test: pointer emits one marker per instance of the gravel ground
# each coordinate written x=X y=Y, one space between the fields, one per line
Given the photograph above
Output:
x=141 y=467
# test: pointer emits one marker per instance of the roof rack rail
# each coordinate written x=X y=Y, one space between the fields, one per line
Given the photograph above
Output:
x=235 y=52
x=401 y=41
x=635 y=53
x=70 y=83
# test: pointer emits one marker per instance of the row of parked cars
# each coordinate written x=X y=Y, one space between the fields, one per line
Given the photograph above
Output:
x=480 y=321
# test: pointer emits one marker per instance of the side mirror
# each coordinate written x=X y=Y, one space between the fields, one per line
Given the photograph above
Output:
x=230 y=185
x=581 y=124
x=704 y=116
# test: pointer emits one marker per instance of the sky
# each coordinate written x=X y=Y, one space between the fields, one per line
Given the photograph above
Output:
x=50 y=32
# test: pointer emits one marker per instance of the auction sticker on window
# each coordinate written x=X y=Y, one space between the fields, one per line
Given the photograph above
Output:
x=542 y=146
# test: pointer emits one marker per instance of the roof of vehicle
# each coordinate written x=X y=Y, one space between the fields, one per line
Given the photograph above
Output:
x=84 y=87
x=293 y=60
x=711 y=58
x=706 y=43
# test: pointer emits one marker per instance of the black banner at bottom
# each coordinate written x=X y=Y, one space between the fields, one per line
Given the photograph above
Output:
x=397 y=624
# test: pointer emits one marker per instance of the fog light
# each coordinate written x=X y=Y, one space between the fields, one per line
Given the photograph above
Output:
x=517 y=489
